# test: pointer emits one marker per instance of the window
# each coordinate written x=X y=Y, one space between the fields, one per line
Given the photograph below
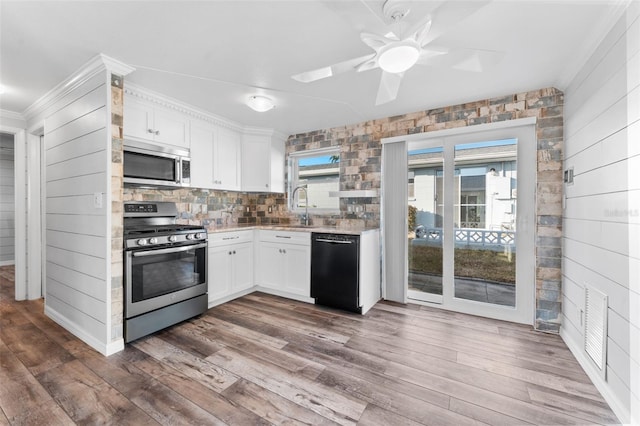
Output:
x=319 y=170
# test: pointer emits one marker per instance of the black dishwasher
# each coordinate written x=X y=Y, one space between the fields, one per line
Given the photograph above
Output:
x=335 y=270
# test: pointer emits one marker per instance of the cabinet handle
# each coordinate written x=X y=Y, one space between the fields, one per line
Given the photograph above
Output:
x=283 y=236
x=230 y=238
x=229 y=253
x=157 y=132
x=234 y=252
x=266 y=185
x=150 y=131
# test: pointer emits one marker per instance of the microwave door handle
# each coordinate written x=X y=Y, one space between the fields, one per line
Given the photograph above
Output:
x=168 y=250
x=178 y=170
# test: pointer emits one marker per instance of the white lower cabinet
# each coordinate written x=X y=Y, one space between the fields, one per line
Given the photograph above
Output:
x=284 y=262
x=230 y=265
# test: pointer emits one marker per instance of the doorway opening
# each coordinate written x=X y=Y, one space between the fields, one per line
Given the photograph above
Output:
x=7 y=200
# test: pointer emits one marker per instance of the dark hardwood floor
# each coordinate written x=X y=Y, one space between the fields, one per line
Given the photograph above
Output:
x=266 y=360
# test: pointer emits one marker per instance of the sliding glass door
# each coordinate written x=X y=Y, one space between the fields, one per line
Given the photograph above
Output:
x=470 y=216
x=425 y=215
x=484 y=222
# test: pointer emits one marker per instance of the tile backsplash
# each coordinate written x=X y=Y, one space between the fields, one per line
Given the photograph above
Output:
x=219 y=209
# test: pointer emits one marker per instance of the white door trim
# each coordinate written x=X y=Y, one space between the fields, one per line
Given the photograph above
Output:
x=20 y=172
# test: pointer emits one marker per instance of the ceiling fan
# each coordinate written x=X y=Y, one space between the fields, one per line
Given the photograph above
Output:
x=397 y=52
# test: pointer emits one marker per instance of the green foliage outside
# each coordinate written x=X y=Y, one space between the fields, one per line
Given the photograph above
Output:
x=413 y=213
x=478 y=264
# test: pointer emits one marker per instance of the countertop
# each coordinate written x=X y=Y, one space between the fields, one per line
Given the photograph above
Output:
x=350 y=230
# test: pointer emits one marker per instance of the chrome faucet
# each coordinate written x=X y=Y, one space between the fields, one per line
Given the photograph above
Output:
x=306 y=202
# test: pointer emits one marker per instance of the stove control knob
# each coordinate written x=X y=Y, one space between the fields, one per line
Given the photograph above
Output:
x=173 y=238
x=153 y=240
x=190 y=236
x=200 y=236
x=142 y=242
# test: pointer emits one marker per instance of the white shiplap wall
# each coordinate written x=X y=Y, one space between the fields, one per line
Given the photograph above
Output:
x=7 y=201
x=601 y=223
x=77 y=157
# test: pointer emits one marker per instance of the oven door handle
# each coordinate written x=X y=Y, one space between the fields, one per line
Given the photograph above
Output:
x=167 y=250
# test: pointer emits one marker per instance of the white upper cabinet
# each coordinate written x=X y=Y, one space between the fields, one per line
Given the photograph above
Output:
x=203 y=136
x=215 y=156
x=227 y=166
x=262 y=162
x=147 y=121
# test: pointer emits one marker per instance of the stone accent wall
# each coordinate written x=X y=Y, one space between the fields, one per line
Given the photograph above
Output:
x=117 y=290
x=360 y=152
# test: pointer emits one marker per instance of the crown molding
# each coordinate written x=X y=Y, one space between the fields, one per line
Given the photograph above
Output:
x=262 y=131
x=164 y=101
x=11 y=115
x=98 y=63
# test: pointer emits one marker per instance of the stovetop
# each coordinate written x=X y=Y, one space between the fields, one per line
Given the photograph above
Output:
x=151 y=224
x=160 y=229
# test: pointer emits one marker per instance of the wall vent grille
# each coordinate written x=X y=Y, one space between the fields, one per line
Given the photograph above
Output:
x=595 y=327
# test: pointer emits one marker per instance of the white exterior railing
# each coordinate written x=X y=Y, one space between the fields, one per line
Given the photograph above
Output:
x=472 y=237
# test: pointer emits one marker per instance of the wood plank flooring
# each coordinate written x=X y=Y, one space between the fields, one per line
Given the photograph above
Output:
x=263 y=360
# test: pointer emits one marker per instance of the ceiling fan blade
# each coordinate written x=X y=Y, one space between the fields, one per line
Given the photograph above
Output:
x=421 y=35
x=368 y=65
x=447 y=15
x=389 y=85
x=331 y=70
x=427 y=55
x=474 y=60
x=374 y=41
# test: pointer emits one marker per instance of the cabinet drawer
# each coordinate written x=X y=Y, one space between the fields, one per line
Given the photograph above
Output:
x=286 y=237
x=231 y=237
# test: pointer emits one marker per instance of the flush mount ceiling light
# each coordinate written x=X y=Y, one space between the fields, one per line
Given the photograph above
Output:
x=260 y=103
x=398 y=57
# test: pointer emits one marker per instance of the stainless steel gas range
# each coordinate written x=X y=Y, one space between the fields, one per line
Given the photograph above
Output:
x=165 y=268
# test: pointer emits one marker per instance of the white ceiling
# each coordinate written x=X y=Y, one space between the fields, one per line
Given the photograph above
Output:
x=215 y=54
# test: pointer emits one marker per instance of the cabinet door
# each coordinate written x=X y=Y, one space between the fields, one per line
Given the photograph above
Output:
x=271 y=262
x=242 y=267
x=202 y=155
x=297 y=270
x=138 y=120
x=219 y=273
x=170 y=128
x=227 y=160
x=256 y=163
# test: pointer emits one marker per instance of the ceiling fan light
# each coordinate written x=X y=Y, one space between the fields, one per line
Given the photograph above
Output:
x=260 y=103
x=398 y=57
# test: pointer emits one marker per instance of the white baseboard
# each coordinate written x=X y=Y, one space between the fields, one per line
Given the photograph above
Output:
x=616 y=405
x=285 y=294
x=76 y=330
x=230 y=297
x=114 y=347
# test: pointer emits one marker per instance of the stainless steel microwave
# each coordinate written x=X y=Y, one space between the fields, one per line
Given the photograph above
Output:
x=155 y=166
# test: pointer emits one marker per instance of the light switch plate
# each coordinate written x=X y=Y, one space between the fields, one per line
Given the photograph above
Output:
x=97 y=200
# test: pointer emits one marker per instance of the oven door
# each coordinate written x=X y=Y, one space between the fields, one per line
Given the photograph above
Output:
x=155 y=278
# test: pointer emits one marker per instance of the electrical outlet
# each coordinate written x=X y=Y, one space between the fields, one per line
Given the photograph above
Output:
x=247 y=209
x=270 y=209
